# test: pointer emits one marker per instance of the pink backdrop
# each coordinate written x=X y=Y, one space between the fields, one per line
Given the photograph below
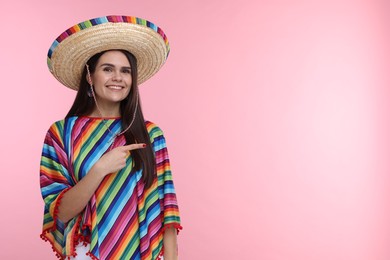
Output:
x=276 y=115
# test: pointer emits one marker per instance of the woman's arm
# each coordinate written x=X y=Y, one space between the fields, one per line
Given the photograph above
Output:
x=75 y=199
x=167 y=194
x=170 y=244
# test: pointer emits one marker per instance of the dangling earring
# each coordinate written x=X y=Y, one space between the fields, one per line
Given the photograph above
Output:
x=89 y=92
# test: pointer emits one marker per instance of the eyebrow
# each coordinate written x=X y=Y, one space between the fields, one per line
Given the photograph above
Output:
x=111 y=65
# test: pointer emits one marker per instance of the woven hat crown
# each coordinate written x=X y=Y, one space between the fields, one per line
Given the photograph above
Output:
x=71 y=50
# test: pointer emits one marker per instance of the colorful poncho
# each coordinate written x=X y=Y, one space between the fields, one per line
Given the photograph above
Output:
x=122 y=220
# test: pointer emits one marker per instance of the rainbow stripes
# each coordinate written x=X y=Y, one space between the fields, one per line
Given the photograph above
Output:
x=106 y=19
x=122 y=220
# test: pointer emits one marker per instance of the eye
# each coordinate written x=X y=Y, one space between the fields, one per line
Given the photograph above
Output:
x=127 y=71
x=108 y=69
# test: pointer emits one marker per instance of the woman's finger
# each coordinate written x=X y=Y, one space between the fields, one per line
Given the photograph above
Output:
x=130 y=147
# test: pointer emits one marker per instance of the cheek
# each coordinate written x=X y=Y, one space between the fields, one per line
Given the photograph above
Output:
x=129 y=82
x=128 y=91
x=98 y=80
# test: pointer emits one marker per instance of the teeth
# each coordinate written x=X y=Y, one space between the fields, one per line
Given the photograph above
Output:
x=115 y=87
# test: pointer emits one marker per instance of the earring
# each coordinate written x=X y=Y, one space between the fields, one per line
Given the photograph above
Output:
x=89 y=92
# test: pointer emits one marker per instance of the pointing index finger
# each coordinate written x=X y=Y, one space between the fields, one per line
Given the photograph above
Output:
x=130 y=147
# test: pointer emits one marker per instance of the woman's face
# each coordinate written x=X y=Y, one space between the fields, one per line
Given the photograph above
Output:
x=112 y=78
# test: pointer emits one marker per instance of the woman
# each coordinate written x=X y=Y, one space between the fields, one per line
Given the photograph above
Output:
x=105 y=173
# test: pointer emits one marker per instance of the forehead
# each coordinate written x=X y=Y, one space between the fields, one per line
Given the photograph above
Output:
x=114 y=57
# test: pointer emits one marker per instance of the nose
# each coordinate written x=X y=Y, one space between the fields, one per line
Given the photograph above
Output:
x=117 y=76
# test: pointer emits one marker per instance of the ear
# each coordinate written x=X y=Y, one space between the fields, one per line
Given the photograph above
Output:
x=88 y=78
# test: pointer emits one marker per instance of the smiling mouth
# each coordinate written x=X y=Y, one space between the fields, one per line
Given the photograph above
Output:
x=115 y=87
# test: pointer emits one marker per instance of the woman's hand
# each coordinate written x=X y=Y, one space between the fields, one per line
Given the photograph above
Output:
x=115 y=159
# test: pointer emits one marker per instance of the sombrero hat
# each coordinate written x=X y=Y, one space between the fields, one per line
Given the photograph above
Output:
x=71 y=50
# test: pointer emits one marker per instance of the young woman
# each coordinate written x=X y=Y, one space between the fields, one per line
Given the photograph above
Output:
x=105 y=173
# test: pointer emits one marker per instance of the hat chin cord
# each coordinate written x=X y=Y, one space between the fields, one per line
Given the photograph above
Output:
x=100 y=112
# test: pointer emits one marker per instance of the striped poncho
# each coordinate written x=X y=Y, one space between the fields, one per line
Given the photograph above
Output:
x=122 y=220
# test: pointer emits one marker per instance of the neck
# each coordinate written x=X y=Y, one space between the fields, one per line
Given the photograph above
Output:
x=106 y=111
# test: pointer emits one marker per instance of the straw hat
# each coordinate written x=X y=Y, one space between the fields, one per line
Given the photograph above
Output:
x=73 y=48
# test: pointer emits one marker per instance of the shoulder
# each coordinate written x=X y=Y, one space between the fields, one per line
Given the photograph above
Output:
x=154 y=130
x=60 y=123
x=58 y=127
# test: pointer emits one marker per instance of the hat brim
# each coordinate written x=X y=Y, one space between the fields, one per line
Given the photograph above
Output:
x=68 y=55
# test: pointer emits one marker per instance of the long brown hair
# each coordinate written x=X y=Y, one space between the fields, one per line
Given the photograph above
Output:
x=83 y=105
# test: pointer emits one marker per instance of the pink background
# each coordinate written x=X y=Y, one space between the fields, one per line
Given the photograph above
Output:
x=276 y=115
